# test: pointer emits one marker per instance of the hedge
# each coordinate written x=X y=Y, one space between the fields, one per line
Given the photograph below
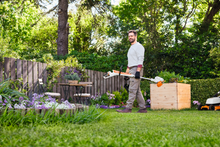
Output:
x=202 y=89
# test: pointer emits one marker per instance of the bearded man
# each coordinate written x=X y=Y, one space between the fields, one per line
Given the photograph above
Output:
x=135 y=63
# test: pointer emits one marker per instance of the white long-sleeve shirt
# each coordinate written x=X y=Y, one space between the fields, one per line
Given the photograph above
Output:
x=136 y=55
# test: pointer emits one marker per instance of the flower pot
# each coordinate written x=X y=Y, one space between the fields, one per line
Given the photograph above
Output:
x=73 y=81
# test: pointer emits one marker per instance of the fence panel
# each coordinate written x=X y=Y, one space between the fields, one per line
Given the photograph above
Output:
x=19 y=69
x=24 y=73
x=6 y=68
x=35 y=77
x=32 y=71
x=13 y=74
x=30 y=78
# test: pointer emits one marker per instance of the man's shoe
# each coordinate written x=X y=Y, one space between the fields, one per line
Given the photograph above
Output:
x=126 y=110
x=142 y=110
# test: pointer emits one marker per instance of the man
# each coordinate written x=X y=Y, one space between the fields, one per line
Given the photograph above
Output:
x=135 y=63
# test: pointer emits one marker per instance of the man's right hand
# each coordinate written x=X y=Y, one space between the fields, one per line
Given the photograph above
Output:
x=127 y=70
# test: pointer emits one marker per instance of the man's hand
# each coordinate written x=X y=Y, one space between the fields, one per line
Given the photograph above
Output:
x=127 y=70
x=137 y=75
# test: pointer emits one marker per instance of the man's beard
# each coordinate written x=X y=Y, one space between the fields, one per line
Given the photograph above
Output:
x=132 y=40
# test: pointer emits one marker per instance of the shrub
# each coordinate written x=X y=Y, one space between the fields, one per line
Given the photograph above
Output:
x=9 y=95
x=167 y=76
x=202 y=89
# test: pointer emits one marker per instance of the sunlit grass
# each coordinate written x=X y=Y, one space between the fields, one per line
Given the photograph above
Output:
x=155 y=128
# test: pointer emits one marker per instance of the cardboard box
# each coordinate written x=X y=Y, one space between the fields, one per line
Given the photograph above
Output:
x=170 y=96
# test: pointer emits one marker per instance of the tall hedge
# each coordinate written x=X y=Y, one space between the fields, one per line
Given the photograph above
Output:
x=202 y=89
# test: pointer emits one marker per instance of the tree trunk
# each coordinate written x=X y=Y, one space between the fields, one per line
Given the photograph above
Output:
x=63 y=28
x=215 y=7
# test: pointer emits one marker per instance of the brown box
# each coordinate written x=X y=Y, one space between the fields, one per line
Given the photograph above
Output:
x=170 y=96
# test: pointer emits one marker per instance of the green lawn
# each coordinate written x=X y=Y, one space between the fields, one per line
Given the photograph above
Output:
x=155 y=128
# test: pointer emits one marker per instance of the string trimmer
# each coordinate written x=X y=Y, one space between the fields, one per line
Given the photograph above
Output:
x=110 y=74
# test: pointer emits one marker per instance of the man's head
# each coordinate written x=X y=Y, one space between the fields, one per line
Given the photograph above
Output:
x=132 y=36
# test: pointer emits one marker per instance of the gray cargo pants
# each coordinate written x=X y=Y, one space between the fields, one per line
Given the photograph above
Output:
x=135 y=91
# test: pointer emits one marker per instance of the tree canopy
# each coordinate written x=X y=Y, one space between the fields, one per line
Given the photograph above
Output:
x=178 y=36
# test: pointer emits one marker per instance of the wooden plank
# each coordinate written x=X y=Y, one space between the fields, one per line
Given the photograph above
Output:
x=163 y=106
x=99 y=82
x=116 y=83
x=24 y=73
x=30 y=79
x=1 y=71
x=121 y=85
x=85 y=80
x=35 y=77
x=95 y=83
x=112 y=84
x=40 y=70
x=184 y=105
x=109 y=84
x=62 y=81
x=92 y=79
x=89 y=80
x=19 y=68
x=6 y=68
x=44 y=75
x=13 y=66
x=104 y=83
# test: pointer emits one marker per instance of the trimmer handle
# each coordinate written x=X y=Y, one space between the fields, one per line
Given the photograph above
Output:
x=120 y=70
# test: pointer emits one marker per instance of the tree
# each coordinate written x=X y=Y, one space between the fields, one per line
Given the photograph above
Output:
x=100 y=6
x=212 y=9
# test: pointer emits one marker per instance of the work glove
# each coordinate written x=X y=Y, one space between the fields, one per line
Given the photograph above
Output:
x=137 y=75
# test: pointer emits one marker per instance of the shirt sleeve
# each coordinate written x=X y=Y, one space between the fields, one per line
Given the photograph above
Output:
x=140 y=54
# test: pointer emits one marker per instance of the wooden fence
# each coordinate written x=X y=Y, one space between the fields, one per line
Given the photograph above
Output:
x=29 y=72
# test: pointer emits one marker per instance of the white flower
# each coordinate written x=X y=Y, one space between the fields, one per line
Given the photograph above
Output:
x=16 y=106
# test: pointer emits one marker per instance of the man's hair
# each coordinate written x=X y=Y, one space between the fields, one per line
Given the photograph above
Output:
x=132 y=31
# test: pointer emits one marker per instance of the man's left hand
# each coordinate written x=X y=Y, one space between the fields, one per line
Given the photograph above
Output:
x=137 y=75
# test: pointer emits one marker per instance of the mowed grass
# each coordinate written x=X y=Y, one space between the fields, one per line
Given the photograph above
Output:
x=155 y=128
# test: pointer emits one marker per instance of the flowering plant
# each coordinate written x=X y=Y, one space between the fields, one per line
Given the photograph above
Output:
x=196 y=104
x=148 y=102
x=72 y=74
x=40 y=101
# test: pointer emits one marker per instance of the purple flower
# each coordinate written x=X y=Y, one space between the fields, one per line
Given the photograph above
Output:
x=3 y=104
x=148 y=100
x=0 y=101
x=5 y=101
x=196 y=102
x=21 y=99
x=104 y=107
x=13 y=100
x=9 y=97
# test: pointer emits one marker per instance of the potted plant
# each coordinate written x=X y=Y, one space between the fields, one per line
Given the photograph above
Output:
x=72 y=75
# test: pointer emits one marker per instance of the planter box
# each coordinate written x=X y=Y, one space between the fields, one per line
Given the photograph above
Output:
x=170 y=96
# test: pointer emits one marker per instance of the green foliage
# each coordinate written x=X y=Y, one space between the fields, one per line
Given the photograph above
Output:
x=167 y=76
x=73 y=76
x=100 y=63
x=54 y=68
x=202 y=89
x=108 y=99
x=118 y=97
x=10 y=95
x=16 y=118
